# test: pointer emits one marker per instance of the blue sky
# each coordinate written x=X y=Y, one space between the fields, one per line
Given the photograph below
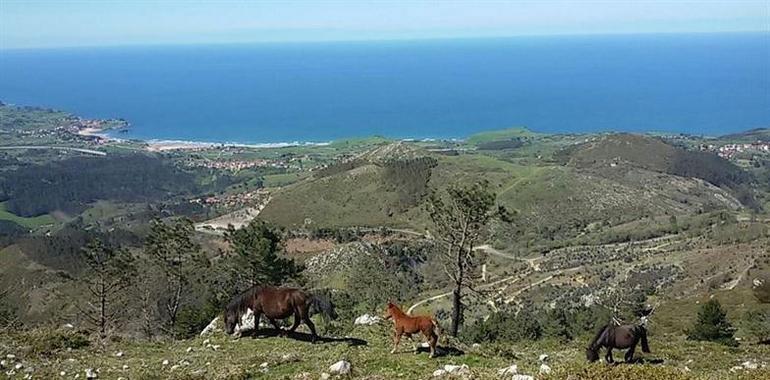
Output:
x=62 y=23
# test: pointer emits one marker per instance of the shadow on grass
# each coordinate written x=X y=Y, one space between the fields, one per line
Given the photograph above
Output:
x=303 y=337
x=442 y=351
x=640 y=361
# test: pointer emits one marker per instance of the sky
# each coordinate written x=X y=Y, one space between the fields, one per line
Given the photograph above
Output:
x=62 y=23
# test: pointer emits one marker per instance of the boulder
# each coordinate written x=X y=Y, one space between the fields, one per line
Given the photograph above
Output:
x=508 y=371
x=750 y=365
x=212 y=327
x=452 y=369
x=367 y=320
x=341 y=367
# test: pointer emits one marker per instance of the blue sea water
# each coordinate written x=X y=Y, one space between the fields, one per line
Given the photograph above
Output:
x=701 y=83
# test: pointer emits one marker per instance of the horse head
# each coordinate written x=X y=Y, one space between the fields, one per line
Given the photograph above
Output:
x=390 y=310
x=592 y=355
x=231 y=320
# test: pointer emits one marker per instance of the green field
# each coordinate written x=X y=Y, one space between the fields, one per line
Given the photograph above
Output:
x=30 y=223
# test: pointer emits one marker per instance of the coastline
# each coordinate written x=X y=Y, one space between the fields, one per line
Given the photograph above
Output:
x=171 y=145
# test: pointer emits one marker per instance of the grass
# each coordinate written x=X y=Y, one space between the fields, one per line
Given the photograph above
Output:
x=503 y=134
x=280 y=180
x=31 y=223
x=220 y=357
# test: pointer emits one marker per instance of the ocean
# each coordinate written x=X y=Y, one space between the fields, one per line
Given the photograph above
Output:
x=312 y=92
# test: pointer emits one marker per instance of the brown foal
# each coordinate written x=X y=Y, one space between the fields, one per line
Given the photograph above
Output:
x=408 y=325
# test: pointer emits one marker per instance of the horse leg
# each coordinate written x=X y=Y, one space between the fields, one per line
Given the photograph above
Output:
x=432 y=340
x=280 y=331
x=608 y=357
x=297 y=319
x=396 y=340
x=257 y=317
x=630 y=354
x=310 y=325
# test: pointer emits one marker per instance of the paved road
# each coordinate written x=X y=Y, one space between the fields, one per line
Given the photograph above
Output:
x=81 y=150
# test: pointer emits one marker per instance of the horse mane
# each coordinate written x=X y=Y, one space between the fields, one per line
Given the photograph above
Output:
x=243 y=301
x=592 y=344
x=397 y=310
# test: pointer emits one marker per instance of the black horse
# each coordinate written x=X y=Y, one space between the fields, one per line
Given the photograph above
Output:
x=622 y=337
x=277 y=303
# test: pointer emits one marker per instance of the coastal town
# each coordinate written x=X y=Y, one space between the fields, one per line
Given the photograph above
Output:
x=731 y=151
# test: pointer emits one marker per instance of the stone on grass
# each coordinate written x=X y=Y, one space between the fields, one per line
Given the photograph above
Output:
x=750 y=365
x=545 y=369
x=439 y=372
x=212 y=327
x=522 y=377
x=511 y=370
x=165 y=362
x=456 y=369
x=325 y=376
x=119 y=354
x=543 y=357
x=367 y=320
x=341 y=367
x=90 y=374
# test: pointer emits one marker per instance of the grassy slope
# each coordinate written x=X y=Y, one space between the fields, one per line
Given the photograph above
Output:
x=241 y=359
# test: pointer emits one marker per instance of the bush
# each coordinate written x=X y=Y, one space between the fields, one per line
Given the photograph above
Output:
x=757 y=324
x=712 y=325
x=505 y=326
x=47 y=342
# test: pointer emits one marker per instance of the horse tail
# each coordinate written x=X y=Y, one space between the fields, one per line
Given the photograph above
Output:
x=643 y=334
x=320 y=304
x=592 y=344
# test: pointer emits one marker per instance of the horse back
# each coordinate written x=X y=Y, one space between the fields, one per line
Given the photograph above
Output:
x=412 y=325
x=624 y=336
x=281 y=302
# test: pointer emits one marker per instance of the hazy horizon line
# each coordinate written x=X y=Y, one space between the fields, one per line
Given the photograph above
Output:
x=377 y=40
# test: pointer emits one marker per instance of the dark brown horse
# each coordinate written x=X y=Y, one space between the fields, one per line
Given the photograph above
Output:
x=622 y=337
x=277 y=303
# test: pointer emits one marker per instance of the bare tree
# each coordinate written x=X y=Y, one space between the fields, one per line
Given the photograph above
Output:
x=109 y=272
x=460 y=217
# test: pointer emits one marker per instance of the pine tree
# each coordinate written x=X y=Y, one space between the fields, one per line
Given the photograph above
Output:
x=712 y=325
x=108 y=273
x=460 y=219
x=257 y=259
x=179 y=258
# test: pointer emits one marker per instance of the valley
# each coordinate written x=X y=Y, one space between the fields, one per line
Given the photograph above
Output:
x=600 y=225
